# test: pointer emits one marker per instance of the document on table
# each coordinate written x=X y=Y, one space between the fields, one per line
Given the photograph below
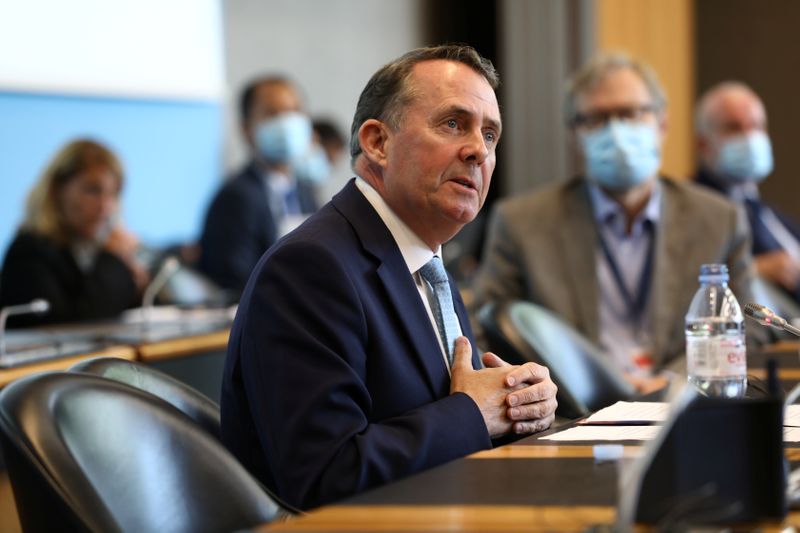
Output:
x=605 y=433
x=791 y=434
x=791 y=417
x=630 y=413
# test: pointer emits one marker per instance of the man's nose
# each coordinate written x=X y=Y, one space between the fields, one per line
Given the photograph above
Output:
x=475 y=150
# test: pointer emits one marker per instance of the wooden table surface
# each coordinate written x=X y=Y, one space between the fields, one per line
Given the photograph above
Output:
x=530 y=486
x=8 y=375
x=146 y=351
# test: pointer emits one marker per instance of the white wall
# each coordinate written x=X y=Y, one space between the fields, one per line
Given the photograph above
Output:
x=128 y=48
x=144 y=77
x=329 y=47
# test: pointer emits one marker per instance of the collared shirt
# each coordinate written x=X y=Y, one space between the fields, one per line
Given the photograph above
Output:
x=415 y=252
x=627 y=341
x=284 y=202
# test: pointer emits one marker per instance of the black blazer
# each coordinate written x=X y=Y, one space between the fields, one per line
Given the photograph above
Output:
x=239 y=227
x=334 y=380
x=37 y=267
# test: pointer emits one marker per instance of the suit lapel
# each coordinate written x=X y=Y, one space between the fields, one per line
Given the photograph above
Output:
x=398 y=283
x=579 y=239
x=675 y=245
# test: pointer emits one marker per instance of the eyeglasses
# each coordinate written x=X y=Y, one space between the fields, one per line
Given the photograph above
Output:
x=598 y=119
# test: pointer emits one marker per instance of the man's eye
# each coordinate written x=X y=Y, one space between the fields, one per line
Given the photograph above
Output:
x=452 y=123
x=490 y=136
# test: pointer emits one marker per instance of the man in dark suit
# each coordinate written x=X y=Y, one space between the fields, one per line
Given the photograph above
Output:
x=264 y=200
x=346 y=366
x=735 y=155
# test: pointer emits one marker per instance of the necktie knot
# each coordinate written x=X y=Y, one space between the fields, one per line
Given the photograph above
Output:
x=433 y=271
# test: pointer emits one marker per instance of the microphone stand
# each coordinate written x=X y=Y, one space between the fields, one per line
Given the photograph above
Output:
x=168 y=268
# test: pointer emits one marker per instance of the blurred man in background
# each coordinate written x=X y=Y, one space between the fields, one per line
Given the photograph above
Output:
x=264 y=200
x=616 y=252
x=735 y=155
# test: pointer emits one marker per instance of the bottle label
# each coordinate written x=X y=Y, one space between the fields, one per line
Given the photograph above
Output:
x=716 y=356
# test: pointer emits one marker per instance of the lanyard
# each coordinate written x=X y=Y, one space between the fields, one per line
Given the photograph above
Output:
x=635 y=306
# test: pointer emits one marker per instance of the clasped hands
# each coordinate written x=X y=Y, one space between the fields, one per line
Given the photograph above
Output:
x=512 y=399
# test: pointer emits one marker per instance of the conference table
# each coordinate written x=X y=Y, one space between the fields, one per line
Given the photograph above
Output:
x=189 y=345
x=531 y=485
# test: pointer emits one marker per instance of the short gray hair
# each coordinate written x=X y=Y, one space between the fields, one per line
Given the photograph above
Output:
x=702 y=114
x=388 y=91
x=585 y=79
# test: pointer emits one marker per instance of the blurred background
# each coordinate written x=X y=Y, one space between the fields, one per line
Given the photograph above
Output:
x=158 y=81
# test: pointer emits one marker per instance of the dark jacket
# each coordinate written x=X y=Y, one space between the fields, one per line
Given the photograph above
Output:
x=37 y=267
x=334 y=380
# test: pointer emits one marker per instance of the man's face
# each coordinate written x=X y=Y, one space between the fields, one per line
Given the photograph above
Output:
x=731 y=114
x=620 y=131
x=438 y=163
x=269 y=100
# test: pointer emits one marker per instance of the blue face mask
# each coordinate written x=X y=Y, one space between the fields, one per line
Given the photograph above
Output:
x=620 y=156
x=284 y=138
x=314 y=167
x=746 y=157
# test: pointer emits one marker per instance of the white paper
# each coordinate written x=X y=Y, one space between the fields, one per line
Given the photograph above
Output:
x=791 y=434
x=622 y=412
x=605 y=433
x=791 y=416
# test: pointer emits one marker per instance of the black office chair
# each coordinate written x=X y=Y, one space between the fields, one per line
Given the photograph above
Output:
x=193 y=403
x=521 y=332
x=86 y=453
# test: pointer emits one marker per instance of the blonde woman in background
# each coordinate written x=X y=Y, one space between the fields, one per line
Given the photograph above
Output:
x=70 y=248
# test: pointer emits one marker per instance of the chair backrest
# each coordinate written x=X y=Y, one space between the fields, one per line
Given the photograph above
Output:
x=521 y=332
x=90 y=454
x=193 y=403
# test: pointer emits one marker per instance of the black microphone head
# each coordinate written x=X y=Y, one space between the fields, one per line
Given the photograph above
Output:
x=764 y=315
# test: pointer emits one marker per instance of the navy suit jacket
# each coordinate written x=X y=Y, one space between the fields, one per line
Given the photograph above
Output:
x=239 y=227
x=334 y=379
x=761 y=243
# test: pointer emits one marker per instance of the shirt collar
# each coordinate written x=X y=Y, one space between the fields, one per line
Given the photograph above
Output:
x=608 y=212
x=740 y=192
x=415 y=252
x=277 y=182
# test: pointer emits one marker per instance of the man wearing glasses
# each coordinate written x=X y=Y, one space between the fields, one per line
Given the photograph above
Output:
x=616 y=252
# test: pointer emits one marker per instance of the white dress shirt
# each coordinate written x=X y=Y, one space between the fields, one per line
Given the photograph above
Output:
x=415 y=252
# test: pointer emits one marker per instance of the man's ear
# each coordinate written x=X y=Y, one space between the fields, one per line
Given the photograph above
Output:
x=373 y=135
x=248 y=134
x=663 y=123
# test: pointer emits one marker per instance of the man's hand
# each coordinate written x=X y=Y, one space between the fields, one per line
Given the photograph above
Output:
x=532 y=405
x=486 y=387
x=778 y=267
x=511 y=398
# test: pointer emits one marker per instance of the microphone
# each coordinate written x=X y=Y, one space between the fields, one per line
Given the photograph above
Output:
x=37 y=306
x=767 y=317
x=168 y=268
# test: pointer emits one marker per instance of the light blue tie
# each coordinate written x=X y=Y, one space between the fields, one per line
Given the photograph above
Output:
x=442 y=305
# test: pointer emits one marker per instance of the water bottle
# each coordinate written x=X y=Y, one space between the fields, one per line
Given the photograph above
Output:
x=716 y=360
